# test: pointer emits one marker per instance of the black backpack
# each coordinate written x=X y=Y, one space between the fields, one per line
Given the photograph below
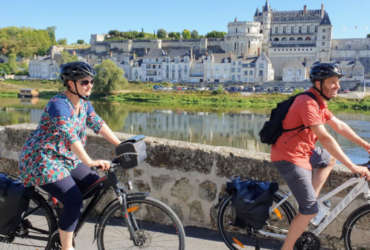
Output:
x=273 y=128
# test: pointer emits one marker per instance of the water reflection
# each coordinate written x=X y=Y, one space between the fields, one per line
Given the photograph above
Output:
x=224 y=129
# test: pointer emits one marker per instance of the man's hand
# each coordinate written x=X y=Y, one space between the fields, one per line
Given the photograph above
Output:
x=363 y=171
x=367 y=147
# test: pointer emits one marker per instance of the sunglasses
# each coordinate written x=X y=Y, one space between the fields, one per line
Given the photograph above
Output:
x=86 y=82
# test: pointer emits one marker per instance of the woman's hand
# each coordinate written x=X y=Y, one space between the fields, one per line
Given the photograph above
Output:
x=103 y=164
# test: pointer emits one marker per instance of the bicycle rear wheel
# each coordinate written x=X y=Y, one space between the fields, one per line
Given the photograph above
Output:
x=157 y=227
x=37 y=223
x=238 y=238
x=356 y=229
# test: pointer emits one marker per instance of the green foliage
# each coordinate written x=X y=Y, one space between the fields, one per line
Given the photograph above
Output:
x=62 y=41
x=161 y=33
x=194 y=34
x=80 y=41
x=5 y=69
x=109 y=78
x=368 y=36
x=25 y=42
x=174 y=35
x=12 y=61
x=67 y=57
x=186 y=34
x=118 y=35
x=216 y=34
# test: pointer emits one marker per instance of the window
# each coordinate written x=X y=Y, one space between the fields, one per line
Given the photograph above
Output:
x=323 y=43
x=291 y=39
x=308 y=38
x=284 y=29
x=308 y=29
x=323 y=30
x=299 y=29
x=276 y=39
x=276 y=30
x=323 y=37
x=292 y=29
x=283 y=39
x=261 y=73
x=299 y=39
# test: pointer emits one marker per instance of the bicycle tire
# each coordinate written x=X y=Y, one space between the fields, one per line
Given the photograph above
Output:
x=238 y=238
x=158 y=226
x=356 y=229
x=37 y=224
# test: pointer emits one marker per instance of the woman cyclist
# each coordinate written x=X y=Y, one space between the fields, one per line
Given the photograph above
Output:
x=54 y=157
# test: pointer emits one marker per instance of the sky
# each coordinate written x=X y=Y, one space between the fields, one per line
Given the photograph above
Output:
x=78 y=19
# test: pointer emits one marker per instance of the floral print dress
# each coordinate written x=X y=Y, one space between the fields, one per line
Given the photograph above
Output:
x=46 y=156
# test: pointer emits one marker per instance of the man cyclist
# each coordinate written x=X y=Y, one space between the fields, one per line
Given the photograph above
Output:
x=303 y=166
x=54 y=157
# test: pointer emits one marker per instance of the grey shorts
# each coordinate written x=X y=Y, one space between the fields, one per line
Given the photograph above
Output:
x=299 y=180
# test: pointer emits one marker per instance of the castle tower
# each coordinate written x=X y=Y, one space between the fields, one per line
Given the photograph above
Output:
x=266 y=26
x=323 y=42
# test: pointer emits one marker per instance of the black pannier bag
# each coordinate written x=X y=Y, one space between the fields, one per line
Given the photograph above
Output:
x=131 y=152
x=273 y=128
x=12 y=203
x=251 y=200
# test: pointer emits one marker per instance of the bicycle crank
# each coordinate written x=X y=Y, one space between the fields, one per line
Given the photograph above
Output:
x=307 y=241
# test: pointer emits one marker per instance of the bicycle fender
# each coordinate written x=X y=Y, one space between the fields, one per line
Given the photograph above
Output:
x=131 y=196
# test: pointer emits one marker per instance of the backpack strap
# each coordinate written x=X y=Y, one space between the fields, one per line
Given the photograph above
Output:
x=302 y=127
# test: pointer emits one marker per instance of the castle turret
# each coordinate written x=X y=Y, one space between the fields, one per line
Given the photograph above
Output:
x=266 y=26
x=323 y=42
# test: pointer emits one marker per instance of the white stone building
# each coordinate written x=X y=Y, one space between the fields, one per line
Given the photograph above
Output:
x=43 y=68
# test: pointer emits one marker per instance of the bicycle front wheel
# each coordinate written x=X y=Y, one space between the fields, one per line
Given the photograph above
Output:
x=155 y=225
x=356 y=230
x=237 y=238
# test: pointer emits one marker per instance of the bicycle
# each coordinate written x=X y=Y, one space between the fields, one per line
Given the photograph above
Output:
x=131 y=220
x=355 y=231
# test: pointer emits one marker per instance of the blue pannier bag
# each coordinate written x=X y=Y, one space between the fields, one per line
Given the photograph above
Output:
x=251 y=200
x=12 y=203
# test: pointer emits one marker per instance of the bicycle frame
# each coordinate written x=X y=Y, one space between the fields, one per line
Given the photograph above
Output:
x=360 y=186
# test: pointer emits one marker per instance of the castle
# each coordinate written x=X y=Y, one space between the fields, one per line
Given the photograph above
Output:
x=275 y=46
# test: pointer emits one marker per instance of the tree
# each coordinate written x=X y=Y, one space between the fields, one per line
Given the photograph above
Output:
x=194 y=34
x=62 y=41
x=51 y=33
x=174 y=35
x=12 y=62
x=80 y=41
x=67 y=57
x=215 y=34
x=109 y=78
x=368 y=35
x=161 y=33
x=186 y=34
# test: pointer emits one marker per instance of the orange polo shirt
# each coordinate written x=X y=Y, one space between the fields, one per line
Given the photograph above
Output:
x=296 y=146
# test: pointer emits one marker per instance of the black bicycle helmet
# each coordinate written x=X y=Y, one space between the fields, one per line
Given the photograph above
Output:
x=75 y=71
x=321 y=71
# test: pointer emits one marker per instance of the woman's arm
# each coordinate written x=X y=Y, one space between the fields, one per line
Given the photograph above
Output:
x=81 y=153
x=108 y=134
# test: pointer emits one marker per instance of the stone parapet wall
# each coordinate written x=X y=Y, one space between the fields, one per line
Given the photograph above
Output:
x=187 y=176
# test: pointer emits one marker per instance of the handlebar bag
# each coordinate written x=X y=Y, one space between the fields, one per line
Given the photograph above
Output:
x=131 y=153
x=12 y=203
x=251 y=200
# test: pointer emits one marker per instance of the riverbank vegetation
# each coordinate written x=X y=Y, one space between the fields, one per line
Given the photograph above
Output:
x=143 y=95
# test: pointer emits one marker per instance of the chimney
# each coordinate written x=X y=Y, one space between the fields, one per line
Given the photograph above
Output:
x=304 y=9
x=322 y=10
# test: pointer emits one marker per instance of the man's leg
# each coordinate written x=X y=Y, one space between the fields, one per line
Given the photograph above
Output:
x=297 y=227
x=299 y=181
x=322 y=163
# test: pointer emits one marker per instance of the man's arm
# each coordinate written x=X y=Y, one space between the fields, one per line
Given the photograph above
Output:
x=331 y=145
x=343 y=129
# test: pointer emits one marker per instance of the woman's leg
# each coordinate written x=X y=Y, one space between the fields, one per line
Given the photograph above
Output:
x=84 y=177
x=67 y=192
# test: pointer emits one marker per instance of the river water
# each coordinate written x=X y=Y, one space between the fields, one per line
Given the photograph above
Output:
x=224 y=129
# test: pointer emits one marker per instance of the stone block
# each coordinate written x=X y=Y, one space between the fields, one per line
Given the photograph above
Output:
x=207 y=190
